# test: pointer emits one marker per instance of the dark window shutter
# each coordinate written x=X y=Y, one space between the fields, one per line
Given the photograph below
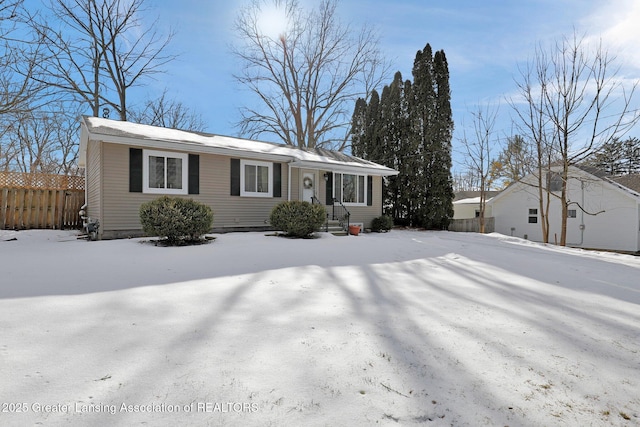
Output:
x=329 y=190
x=369 y=190
x=277 y=180
x=135 y=170
x=235 y=177
x=194 y=174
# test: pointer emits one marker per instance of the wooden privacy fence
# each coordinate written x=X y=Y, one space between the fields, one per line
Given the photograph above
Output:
x=472 y=225
x=40 y=201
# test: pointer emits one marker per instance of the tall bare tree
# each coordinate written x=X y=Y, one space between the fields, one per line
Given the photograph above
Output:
x=168 y=113
x=573 y=102
x=20 y=93
x=99 y=49
x=11 y=92
x=44 y=140
x=479 y=147
x=308 y=77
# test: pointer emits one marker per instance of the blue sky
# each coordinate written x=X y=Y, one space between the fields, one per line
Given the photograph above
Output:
x=484 y=41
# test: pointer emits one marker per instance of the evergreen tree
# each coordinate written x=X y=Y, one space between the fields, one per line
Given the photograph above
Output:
x=617 y=157
x=440 y=198
x=409 y=128
x=390 y=131
x=358 y=129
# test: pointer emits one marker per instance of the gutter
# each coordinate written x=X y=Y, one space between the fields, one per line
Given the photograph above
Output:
x=344 y=168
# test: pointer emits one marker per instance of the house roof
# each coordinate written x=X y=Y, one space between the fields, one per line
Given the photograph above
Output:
x=627 y=184
x=631 y=181
x=95 y=128
x=461 y=195
x=470 y=201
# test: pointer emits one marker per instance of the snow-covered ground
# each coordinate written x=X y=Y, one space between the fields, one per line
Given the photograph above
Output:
x=403 y=328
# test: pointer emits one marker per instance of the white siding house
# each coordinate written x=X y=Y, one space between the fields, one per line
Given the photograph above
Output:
x=603 y=213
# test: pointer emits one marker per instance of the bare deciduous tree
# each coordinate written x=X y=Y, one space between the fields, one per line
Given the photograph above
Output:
x=44 y=140
x=18 y=57
x=168 y=113
x=573 y=102
x=99 y=49
x=19 y=92
x=478 y=148
x=308 y=77
x=465 y=181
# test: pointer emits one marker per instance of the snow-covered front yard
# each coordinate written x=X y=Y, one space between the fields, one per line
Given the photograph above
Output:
x=403 y=328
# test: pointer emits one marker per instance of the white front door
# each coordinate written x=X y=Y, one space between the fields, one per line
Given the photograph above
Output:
x=308 y=186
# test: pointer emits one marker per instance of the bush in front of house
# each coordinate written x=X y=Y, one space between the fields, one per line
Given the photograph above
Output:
x=297 y=218
x=176 y=219
x=382 y=223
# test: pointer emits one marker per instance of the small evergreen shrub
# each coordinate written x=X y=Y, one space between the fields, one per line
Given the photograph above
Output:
x=297 y=218
x=178 y=220
x=382 y=223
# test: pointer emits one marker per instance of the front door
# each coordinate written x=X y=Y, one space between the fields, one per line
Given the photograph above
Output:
x=308 y=186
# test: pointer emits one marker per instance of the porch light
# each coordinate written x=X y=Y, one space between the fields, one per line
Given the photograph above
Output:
x=326 y=176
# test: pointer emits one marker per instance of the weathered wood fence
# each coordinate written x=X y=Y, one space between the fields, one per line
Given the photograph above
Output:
x=40 y=201
x=472 y=225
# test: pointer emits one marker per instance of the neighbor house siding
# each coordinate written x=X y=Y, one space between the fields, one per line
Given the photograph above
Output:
x=614 y=226
x=121 y=207
x=609 y=218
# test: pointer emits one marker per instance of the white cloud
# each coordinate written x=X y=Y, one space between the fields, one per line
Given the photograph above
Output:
x=616 y=23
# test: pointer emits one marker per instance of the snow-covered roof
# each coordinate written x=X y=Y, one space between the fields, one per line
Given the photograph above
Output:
x=628 y=185
x=470 y=201
x=95 y=128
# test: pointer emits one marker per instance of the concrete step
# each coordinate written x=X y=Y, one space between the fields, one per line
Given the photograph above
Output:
x=335 y=228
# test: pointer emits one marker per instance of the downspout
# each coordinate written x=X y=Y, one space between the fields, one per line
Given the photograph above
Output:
x=289 y=181
x=581 y=226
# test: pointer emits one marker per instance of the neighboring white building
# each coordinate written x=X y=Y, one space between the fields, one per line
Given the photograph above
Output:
x=466 y=204
x=470 y=208
x=604 y=212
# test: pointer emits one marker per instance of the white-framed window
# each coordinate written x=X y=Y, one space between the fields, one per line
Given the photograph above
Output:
x=256 y=179
x=164 y=172
x=533 y=216
x=350 y=189
x=571 y=213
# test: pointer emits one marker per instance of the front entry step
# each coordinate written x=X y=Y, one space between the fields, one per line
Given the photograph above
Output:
x=335 y=228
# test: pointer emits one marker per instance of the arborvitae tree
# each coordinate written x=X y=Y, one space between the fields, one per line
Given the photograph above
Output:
x=440 y=197
x=394 y=134
x=358 y=129
x=409 y=128
x=433 y=127
x=374 y=145
x=422 y=106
